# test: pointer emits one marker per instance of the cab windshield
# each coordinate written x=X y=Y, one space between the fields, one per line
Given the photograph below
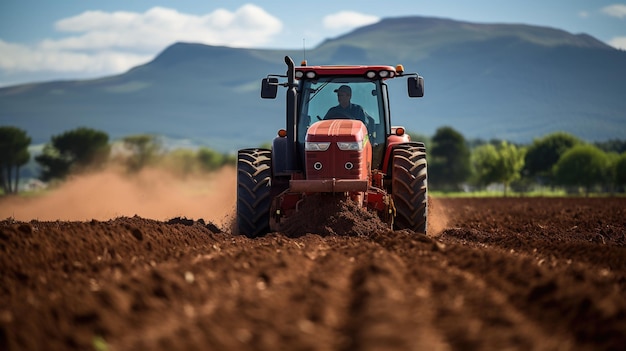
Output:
x=320 y=100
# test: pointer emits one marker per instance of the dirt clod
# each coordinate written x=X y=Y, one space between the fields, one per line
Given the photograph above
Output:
x=331 y=215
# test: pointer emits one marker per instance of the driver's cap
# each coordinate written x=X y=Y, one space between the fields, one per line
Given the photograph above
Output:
x=344 y=89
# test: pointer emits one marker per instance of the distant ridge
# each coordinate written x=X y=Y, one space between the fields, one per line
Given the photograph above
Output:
x=506 y=81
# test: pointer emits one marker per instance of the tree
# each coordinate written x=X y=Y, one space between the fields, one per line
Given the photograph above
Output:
x=484 y=160
x=181 y=162
x=544 y=153
x=74 y=150
x=612 y=145
x=501 y=163
x=583 y=165
x=14 y=153
x=450 y=159
x=620 y=170
x=512 y=162
x=210 y=159
x=143 y=150
x=610 y=173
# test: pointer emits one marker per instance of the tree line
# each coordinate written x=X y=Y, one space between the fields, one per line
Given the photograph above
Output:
x=84 y=149
x=557 y=160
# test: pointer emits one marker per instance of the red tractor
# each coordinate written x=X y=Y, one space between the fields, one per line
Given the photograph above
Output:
x=346 y=149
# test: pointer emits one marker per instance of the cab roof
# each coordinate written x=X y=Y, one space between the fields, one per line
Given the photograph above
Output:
x=344 y=70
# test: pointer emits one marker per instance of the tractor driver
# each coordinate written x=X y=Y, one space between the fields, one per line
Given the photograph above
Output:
x=346 y=109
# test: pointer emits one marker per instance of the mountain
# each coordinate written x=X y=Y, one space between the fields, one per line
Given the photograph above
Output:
x=507 y=81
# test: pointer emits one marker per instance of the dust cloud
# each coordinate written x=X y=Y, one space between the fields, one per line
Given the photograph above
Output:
x=437 y=217
x=152 y=193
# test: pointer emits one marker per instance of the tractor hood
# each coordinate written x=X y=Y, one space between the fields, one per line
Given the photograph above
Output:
x=337 y=130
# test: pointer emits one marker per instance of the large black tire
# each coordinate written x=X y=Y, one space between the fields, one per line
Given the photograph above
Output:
x=409 y=184
x=254 y=174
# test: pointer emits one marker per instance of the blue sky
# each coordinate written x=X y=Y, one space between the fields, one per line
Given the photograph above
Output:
x=66 y=39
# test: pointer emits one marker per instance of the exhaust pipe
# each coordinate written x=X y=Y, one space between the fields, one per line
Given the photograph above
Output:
x=292 y=101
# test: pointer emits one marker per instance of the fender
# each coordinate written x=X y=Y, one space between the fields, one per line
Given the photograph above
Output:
x=280 y=166
x=393 y=143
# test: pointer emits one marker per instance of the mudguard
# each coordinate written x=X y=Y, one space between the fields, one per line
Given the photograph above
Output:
x=279 y=157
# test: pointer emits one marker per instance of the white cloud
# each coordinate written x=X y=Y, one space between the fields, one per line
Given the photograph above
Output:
x=20 y=58
x=616 y=10
x=248 y=26
x=347 y=20
x=111 y=42
x=618 y=43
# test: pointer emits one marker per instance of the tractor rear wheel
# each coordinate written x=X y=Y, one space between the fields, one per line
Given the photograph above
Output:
x=254 y=174
x=409 y=187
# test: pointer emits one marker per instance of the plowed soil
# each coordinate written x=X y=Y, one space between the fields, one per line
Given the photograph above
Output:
x=506 y=273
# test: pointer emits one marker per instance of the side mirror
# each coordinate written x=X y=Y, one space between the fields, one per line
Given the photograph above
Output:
x=415 y=86
x=269 y=88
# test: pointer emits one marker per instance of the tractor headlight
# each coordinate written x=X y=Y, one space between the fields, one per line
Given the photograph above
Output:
x=350 y=146
x=316 y=146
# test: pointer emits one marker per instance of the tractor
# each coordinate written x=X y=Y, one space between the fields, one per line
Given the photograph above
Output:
x=322 y=151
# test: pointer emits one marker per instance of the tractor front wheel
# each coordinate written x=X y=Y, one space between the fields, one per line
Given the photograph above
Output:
x=409 y=187
x=254 y=174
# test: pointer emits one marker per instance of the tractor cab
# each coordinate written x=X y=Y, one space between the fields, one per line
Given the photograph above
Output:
x=317 y=96
x=363 y=101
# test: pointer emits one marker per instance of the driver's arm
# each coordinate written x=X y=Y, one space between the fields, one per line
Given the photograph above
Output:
x=361 y=114
x=330 y=113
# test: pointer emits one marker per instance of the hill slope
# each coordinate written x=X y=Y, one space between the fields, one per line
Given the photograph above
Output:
x=507 y=81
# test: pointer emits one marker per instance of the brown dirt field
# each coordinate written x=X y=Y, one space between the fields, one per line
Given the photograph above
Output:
x=505 y=273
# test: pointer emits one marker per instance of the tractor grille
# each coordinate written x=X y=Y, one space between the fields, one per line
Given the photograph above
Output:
x=335 y=163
